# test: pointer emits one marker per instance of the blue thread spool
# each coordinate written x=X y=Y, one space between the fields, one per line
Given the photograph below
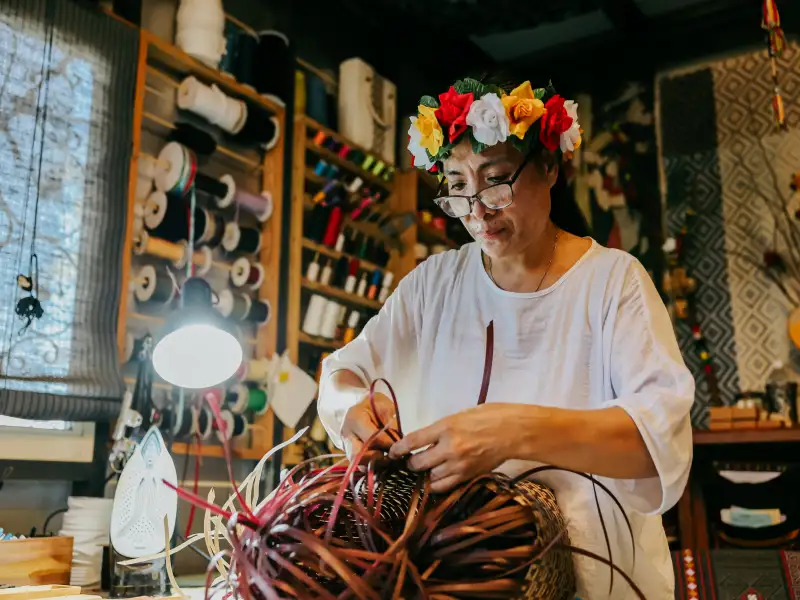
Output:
x=320 y=168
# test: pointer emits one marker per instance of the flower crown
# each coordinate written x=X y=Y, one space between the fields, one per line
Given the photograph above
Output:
x=490 y=116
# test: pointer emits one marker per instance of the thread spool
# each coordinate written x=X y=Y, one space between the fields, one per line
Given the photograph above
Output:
x=258 y=204
x=176 y=169
x=199 y=141
x=330 y=319
x=133 y=348
x=235 y=426
x=145 y=244
x=157 y=285
x=182 y=423
x=203 y=258
x=256 y=369
x=246 y=57
x=315 y=312
x=257 y=401
x=212 y=104
x=273 y=50
x=261 y=129
x=237 y=398
x=260 y=311
x=218 y=188
x=233 y=305
x=246 y=273
x=246 y=240
x=168 y=219
x=203 y=422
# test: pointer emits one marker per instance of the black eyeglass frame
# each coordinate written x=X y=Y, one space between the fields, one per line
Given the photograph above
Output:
x=476 y=197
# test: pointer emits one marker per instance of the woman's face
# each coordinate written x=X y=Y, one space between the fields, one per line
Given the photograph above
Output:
x=509 y=230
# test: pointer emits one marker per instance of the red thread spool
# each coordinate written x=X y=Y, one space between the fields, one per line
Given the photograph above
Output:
x=332 y=230
x=344 y=151
x=246 y=273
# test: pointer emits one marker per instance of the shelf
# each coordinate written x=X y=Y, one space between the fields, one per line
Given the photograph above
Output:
x=327 y=290
x=319 y=342
x=312 y=124
x=216 y=451
x=370 y=266
x=426 y=232
x=747 y=436
x=334 y=158
x=176 y=59
x=314 y=178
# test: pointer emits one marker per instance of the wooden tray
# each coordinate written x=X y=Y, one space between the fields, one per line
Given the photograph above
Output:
x=36 y=561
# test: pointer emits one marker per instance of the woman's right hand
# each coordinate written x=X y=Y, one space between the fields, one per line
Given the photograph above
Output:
x=360 y=424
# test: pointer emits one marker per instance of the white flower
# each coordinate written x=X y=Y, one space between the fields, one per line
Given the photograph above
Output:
x=487 y=117
x=421 y=159
x=571 y=138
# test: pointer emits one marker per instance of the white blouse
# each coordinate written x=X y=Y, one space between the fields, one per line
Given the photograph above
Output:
x=598 y=337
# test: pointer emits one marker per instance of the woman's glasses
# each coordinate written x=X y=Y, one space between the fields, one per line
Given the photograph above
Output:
x=495 y=197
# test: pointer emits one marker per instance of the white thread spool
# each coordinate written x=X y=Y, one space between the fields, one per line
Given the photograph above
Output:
x=330 y=320
x=212 y=104
x=257 y=370
x=315 y=313
x=200 y=30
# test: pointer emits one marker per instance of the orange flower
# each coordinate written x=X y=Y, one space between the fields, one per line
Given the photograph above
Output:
x=523 y=109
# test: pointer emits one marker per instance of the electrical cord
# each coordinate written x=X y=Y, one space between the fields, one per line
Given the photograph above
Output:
x=50 y=516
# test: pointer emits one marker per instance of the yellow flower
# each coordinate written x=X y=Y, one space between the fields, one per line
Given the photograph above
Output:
x=523 y=109
x=432 y=137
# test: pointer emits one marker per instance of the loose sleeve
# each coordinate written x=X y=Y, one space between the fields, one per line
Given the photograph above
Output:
x=652 y=384
x=385 y=348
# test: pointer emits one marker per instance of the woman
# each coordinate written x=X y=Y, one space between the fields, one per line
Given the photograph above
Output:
x=586 y=374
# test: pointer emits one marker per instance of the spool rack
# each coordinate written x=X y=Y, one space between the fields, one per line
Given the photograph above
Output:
x=161 y=67
x=306 y=350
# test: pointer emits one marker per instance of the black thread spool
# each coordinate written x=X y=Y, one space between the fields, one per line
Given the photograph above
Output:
x=133 y=348
x=244 y=68
x=239 y=426
x=211 y=185
x=245 y=240
x=234 y=305
x=273 y=50
x=260 y=129
x=200 y=141
x=203 y=422
x=155 y=284
x=213 y=230
x=259 y=312
x=182 y=424
x=237 y=398
x=168 y=218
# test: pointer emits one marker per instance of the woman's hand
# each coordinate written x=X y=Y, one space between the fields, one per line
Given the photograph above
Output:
x=360 y=424
x=463 y=445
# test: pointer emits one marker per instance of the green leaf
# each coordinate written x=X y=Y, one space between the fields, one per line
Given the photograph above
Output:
x=477 y=147
x=539 y=93
x=465 y=86
x=429 y=101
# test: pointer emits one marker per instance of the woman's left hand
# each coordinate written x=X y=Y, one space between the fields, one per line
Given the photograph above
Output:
x=463 y=445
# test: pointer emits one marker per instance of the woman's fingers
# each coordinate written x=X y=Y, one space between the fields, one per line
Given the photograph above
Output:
x=446 y=484
x=427 y=459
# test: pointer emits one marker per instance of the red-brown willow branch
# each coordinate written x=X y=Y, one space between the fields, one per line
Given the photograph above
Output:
x=376 y=532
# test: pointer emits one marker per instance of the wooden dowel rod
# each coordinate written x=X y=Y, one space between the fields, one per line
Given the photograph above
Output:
x=318 y=72
x=238 y=23
x=163 y=76
x=157 y=92
x=157 y=120
x=172 y=252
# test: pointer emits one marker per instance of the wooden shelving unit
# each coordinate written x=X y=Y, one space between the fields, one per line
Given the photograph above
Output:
x=161 y=67
x=305 y=349
x=417 y=188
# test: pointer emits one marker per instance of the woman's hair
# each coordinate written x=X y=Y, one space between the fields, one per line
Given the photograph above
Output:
x=564 y=211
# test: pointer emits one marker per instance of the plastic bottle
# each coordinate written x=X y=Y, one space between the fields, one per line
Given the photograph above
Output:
x=781 y=392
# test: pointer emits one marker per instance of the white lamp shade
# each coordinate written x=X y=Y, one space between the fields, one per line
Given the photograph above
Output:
x=197 y=356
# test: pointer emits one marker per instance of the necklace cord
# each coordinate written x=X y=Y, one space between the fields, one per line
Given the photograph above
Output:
x=546 y=271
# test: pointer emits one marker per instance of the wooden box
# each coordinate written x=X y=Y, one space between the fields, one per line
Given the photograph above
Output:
x=36 y=561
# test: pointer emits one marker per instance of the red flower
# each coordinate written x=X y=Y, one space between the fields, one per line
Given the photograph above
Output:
x=452 y=112
x=554 y=122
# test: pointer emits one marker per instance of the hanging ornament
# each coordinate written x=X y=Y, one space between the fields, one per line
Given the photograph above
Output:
x=29 y=307
x=776 y=43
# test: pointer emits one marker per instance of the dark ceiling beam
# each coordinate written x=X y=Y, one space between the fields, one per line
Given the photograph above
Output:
x=711 y=28
x=624 y=14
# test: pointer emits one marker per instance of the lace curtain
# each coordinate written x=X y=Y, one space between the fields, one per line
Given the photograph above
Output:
x=67 y=77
